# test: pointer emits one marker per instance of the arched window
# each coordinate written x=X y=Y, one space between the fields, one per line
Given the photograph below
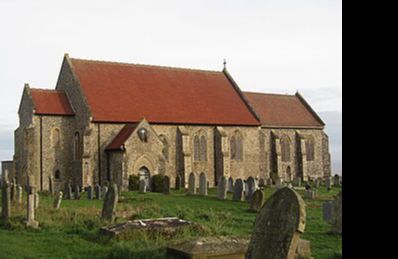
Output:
x=285 y=149
x=77 y=149
x=57 y=175
x=196 y=147
x=233 y=147
x=55 y=137
x=309 y=148
x=236 y=144
x=203 y=149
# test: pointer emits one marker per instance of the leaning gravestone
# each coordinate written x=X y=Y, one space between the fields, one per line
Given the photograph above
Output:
x=256 y=201
x=178 y=182
x=97 y=191
x=166 y=185
x=90 y=194
x=238 y=190
x=57 y=201
x=142 y=186
x=191 y=184
x=337 y=226
x=203 y=184
x=230 y=185
x=222 y=188
x=251 y=188
x=6 y=200
x=278 y=226
x=110 y=202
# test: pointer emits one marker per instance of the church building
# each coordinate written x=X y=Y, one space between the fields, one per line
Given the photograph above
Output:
x=105 y=121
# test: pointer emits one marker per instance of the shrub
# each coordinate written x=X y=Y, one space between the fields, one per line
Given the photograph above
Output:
x=134 y=181
x=157 y=183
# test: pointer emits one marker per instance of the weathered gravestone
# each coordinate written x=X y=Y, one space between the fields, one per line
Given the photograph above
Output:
x=58 y=200
x=104 y=190
x=97 y=191
x=69 y=192
x=222 y=188
x=269 y=182
x=261 y=182
x=337 y=226
x=238 y=190
x=142 y=186
x=110 y=202
x=278 y=183
x=178 y=182
x=166 y=185
x=191 y=184
x=311 y=194
x=278 y=226
x=230 y=188
x=6 y=200
x=316 y=183
x=31 y=207
x=19 y=194
x=77 y=192
x=251 y=188
x=256 y=201
x=90 y=192
x=297 y=181
x=203 y=184
x=327 y=211
x=336 y=180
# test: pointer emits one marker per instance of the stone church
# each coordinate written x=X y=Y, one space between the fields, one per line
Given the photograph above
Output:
x=105 y=121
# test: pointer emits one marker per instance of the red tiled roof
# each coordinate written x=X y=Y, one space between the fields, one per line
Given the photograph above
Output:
x=283 y=110
x=118 y=142
x=51 y=102
x=118 y=92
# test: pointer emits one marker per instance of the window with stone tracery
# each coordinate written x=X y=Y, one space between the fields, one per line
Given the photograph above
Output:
x=285 y=149
x=309 y=147
x=203 y=149
x=196 y=147
x=200 y=147
x=236 y=147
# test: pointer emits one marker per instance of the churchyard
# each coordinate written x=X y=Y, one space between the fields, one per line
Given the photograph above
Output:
x=71 y=228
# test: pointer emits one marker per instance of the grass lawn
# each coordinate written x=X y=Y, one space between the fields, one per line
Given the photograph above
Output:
x=73 y=231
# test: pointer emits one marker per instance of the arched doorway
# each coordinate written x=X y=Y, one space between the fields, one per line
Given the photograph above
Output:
x=145 y=175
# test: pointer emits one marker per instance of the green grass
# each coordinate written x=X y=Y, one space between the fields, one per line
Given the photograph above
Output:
x=73 y=231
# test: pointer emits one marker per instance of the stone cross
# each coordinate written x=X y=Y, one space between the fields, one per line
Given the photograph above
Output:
x=222 y=188
x=90 y=195
x=230 y=185
x=203 y=184
x=278 y=226
x=6 y=200
x=19 y=194
x=97 y=191
x=31 y=207
x=251 y=188
x=256 y=201
x=142 y=186
x=58 y=200
x=110 y=202
x=166 y=185
x=178 y=182
x=238 y=190
x=191 y=184
x=337 y=226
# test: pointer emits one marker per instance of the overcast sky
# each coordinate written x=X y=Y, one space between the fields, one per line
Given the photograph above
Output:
x=279 y=46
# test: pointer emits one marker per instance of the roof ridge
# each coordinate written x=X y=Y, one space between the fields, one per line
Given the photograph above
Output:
x=47 y=90
x=287 y=95
x=146 y=65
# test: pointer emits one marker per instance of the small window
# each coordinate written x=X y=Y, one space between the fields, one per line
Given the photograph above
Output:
x=285 y=149
x=57 y=175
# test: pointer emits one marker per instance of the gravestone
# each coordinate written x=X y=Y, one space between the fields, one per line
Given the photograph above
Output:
x=110 y=202
x=77 y=192
x=97 y=191
x=230 y=185
x=297 y=181
x=337 y=226
x=58 y=200
x=142 y=186
x=238 y=190
x=311 y=194
x=261 y=182
x=6 y=200
x=316 y=183
x=251 y=188
x=90 y=192
x=222 y=188
x=51 y=185
x=327 y=211
x=69 y=192
x=36 y=200
x=336 y=180
x=178 y=182
x=278 y=226
x=104 y=190
x=328 y=183
x=203 y=184
x=269 y=182
x=19 y=194
x=191 y=184
x=256 y=201
x=278 y=183
x=166 y=185
x=31 y=207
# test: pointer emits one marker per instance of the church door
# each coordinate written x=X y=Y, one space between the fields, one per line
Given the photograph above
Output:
x=145 y=175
